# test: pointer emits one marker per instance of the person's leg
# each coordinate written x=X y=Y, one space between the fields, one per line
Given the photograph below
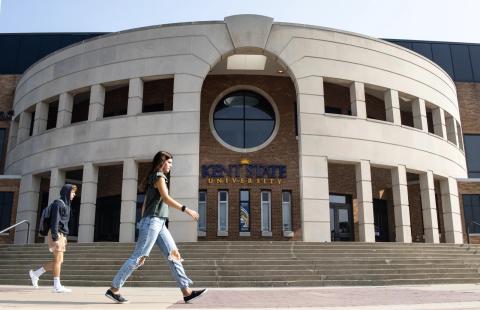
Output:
x=149 y=229
x=170 y=251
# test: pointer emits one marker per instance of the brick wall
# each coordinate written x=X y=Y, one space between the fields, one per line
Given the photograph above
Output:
x=283 y=150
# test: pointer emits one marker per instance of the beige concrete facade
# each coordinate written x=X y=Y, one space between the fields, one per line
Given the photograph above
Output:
x=187 y=52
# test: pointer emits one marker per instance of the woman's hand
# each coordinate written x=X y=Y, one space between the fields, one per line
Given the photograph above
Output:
x=192 y=213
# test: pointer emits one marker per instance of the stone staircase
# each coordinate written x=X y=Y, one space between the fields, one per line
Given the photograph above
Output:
x=262 y=263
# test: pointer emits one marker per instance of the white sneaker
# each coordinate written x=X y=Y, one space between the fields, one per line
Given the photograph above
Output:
x=33 y=278
x=62 y=289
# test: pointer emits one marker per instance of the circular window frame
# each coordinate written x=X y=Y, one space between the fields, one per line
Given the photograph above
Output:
x=255 y=90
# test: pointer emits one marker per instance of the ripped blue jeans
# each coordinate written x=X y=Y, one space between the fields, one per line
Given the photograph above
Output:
x=152 y=230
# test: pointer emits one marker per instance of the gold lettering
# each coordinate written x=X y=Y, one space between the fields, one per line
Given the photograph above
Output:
x=279 y=181
x=242 y=180
x=271 y=181
x=234 y=180
x=264 y=181
x=210 y=180
x=219 y=181
x=226 y=180
x=249 y=180
x=258 y=181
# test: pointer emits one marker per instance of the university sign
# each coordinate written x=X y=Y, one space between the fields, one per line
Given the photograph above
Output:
x=244 y=173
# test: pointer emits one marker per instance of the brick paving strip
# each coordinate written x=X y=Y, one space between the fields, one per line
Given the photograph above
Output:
x=328 y=297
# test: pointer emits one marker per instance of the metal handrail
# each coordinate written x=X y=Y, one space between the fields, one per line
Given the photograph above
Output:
x=468 y=229
x=15 y=225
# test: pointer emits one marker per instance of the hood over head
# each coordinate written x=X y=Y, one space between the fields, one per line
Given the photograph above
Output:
x=65 y=193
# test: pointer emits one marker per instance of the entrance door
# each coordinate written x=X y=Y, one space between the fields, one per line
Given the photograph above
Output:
x=380 y=217
x=341 y=218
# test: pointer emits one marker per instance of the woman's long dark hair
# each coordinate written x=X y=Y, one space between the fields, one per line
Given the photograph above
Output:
x=157 y=163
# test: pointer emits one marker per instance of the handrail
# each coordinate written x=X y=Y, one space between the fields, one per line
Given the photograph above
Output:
x=468 y=229
x=15 y=225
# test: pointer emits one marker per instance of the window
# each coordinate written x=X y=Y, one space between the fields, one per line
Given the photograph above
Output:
x=287 y=210
x=6 y=201
x=157 y=95
x=223 y=211
x=471 y=209
x=244 y=120
x=266 y=211
x=81 y=104
x=52 y=114
x=244 y=211
x=472 y=153
x=202 y=211
x=3 y=140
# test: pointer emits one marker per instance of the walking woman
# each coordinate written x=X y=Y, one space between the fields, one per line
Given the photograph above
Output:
x=152 y=231
x=57 y=241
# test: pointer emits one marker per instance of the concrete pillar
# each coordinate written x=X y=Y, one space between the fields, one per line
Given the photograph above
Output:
x=451 y=128
x=451 y=211
x=315 y=199
x=311 y=94
x=419 y=114
x=65 y=107
x=27 y=208
x=129 y=201
x=13 y=132
x=135 y=96
x=392 y=107
x=41 y=116
x=401 y=205
x=57 y=180
x=186 y=93
x=429 y=207
x=365 y=201
x=439 y=123
x=97 y=102
x=357 y=100
x=86 y=227
x=24 y=126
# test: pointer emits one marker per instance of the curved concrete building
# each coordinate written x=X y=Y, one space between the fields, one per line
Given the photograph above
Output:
x=278 y=131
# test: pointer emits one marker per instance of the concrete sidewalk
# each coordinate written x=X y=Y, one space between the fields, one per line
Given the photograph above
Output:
x=438 y=297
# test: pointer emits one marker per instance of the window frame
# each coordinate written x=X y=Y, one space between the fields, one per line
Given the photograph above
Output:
x=203 y=217
x=284 y=205
x=219 y=205
x=262 y=213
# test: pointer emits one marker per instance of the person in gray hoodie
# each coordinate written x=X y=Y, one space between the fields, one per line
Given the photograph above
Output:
x=57 y=240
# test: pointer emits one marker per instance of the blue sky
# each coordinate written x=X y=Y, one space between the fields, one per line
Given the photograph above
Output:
x=436 y=20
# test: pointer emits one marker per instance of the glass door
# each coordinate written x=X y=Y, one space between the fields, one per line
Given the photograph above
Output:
x=341 y=218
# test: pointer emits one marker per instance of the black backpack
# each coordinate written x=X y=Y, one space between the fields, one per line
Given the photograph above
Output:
x=44 y=225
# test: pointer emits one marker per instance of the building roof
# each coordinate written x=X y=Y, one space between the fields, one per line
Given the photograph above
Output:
x=19 y=51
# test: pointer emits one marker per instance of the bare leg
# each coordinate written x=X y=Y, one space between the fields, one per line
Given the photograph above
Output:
x=57 y=263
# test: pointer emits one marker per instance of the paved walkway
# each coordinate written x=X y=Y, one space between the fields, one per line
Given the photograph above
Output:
x=438 y=297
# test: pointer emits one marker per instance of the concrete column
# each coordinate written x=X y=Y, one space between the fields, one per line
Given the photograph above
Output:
x=129 y=201
x=135 y=96
x=86 y=227
x=65 y=107
x=419 y=114
x=24 y=126
x=311 y=95
x=401 y=205
x=451 y=128
x=57 y=180
x=365 y=201
x=392 y=107
x=97 y=102
x=315 y=199
x=186 y=93
x=27 y=208
x=439 y=123
x=41 y=116
x=12 y=140
x=429 y=207
x=451 y=211
x=357 y=100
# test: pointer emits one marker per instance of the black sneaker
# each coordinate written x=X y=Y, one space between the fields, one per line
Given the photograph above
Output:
x=116 y=297
x=194 y=295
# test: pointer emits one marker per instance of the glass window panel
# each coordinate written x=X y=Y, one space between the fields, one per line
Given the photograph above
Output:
x=202 y=196
x=442 y=56
x=257 y=132
x=265 y=196
x=223 y=196
x=338 y=199
x=244 y=195
x=230 y=107
x=461 y=63
x=475 y=56
x=6 y=201
x=258 y=108
x=332 y=220
x=423 y=49
x=472 y=153
x=286 y=211
x=266 y=208
x=230 y=131
x=343 y=222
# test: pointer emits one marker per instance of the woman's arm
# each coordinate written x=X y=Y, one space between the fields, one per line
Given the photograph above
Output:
x=161 y=185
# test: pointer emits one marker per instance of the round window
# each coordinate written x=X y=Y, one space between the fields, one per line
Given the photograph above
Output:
x=244 y=119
